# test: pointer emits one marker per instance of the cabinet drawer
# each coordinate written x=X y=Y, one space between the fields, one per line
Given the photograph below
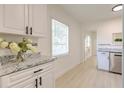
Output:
x=28 y=83
x=19 y=78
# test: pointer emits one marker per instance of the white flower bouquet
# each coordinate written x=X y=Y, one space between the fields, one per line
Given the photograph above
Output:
x=18 y=48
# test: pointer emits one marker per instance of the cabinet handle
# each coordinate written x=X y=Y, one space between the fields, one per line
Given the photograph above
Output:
x=40 y=81
x=38 y=70
x=36 y=81
x=26 y=29
x=117 y=55
x=31 y=30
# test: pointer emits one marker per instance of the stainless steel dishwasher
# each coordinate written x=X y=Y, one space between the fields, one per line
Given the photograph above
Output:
x=116 y=62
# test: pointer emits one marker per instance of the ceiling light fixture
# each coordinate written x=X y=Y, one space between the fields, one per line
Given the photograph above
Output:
x=117 y=7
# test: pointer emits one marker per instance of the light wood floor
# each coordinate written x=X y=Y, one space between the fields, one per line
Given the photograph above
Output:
x=86 y=75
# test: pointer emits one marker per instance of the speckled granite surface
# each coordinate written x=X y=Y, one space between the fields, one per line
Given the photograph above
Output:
x=12 y=67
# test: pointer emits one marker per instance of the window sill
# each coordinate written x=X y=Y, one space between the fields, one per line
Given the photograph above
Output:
x=62 y=55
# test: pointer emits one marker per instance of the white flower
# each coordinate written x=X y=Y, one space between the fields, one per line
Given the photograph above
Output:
x=29 y=45
x=17 y=49
x=1 y=39
x=29 y=41
x=4 y=44
x=33 y=49
x=14 y=47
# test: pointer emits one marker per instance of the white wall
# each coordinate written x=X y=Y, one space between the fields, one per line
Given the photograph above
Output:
x=106 y=28
x=64 y=63
x=83 y=45
x=94 y=39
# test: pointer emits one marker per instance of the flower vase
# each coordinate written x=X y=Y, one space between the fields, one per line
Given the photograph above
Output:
x=20 y=57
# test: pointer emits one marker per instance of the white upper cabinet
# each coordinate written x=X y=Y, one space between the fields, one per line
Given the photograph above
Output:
x=37 y=19
x=23 y=19
x=13 y=19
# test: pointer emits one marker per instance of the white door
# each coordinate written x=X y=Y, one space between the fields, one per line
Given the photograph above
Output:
x=37 y=19
x=13 y=18
x=103 y=60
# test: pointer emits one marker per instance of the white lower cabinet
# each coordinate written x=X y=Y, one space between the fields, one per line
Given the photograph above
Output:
x=103 y=60
x=36 y=77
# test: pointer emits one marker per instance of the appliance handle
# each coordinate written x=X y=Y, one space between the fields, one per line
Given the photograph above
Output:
x=117 y=55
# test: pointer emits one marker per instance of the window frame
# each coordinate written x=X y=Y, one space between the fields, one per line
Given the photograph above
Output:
x=62 y=54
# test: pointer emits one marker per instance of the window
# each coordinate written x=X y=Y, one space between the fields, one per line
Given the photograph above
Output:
x=60 y=35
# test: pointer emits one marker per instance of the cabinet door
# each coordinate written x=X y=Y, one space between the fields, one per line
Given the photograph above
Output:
x=46 y=80
x=13 y=18
x=38 y=19
x=103 y=60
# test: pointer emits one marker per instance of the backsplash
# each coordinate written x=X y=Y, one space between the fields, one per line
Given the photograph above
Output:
x=14 y=38
x=112 y=46
x=6 y=58
x=4 y=52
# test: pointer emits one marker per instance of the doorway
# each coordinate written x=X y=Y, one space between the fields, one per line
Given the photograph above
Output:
x=88 y=48
x=90 y=45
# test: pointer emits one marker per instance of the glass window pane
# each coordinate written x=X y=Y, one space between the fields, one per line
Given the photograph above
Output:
x=59 y=38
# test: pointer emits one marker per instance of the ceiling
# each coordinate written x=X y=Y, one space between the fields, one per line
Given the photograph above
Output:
x=88 y=13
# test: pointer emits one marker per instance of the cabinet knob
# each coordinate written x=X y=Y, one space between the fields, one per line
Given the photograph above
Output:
x=26 y=29
x=31 y=30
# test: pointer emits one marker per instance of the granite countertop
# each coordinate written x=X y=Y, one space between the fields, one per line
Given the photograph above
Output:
x=12 y=67
x=110 y=50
